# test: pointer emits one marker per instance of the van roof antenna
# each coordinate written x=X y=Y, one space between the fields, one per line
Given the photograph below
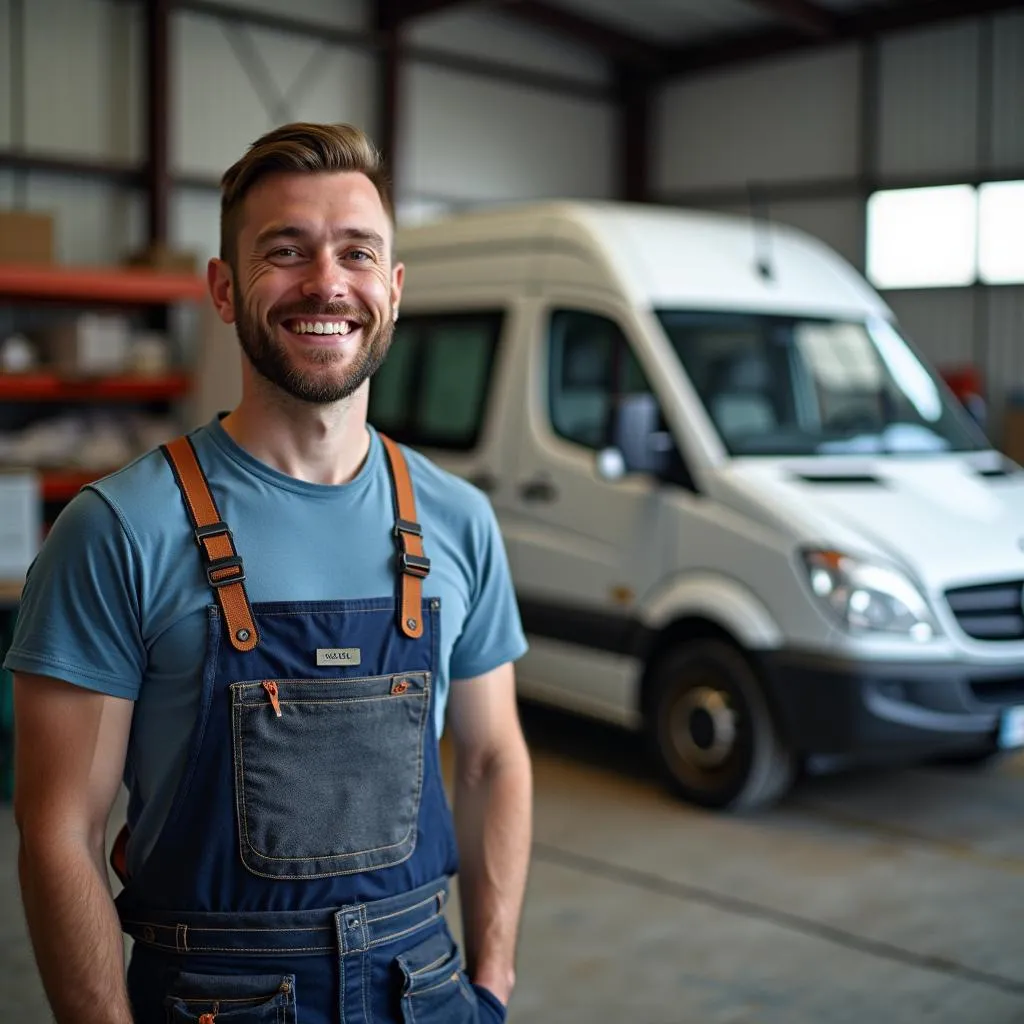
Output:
x=760 y=214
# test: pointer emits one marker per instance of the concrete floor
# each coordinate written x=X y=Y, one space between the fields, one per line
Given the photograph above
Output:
x=894 y=897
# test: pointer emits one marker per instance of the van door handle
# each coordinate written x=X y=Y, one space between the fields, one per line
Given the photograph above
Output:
x=538 y=489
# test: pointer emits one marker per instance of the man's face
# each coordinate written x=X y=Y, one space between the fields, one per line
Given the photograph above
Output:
x=315 y=293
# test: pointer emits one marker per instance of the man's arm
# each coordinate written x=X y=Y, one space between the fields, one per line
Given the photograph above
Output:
x=493 y=818
x=70 y=745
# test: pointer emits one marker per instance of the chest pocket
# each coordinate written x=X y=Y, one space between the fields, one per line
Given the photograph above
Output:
x=328 y=772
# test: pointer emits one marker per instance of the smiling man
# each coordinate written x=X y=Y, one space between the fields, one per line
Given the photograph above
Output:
x=262 y=628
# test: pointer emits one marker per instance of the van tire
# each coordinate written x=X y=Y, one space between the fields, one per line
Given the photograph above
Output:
x=705 y=694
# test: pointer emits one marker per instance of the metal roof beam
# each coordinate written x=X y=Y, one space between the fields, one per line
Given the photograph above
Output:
x=622 y=47
x=855 y=26
x=803 y=15
x=396 y=12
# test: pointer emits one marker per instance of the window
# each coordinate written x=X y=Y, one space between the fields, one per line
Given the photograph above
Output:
x=1001 y=232
x=433 y=386
x=778 y=385
x=590 y=367
x=946 y=237
x=923 y=237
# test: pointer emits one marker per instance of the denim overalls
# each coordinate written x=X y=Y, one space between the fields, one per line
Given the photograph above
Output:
x=303 y=869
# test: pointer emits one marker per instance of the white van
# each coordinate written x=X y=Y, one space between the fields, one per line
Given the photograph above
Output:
x=740 y=511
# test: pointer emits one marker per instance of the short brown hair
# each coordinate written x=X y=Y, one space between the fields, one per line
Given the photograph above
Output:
x=301 y=148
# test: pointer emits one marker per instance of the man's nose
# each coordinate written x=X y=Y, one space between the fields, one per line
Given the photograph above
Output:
x=326 y=280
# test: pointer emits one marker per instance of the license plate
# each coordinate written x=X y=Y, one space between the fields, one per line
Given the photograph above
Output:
x=1011 y=729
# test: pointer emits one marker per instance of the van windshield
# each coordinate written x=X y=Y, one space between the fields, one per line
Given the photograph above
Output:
x=783 y=385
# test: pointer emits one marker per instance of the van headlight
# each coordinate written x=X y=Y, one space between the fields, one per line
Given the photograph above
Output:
x=868 y=597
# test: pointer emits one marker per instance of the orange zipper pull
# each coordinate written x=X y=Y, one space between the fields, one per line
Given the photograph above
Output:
x=271 y=688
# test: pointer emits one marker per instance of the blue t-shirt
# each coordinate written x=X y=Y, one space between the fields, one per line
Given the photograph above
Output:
x=116 y=600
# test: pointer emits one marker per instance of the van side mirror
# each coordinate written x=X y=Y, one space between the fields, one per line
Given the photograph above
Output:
x=639 y=442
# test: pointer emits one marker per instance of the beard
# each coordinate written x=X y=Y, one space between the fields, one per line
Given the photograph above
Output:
x=327 y=381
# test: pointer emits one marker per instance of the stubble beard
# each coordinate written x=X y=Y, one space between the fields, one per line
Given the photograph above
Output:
x=318 y=386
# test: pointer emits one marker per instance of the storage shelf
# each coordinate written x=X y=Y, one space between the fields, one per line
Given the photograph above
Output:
x=99 y=285
x=52 y=387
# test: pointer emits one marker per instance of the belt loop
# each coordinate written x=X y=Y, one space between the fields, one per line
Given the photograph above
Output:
x=181 y=938
x=351 y=928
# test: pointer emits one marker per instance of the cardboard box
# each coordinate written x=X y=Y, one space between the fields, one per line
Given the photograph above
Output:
x=163 y=257
x=26 y=237
x=90 y=345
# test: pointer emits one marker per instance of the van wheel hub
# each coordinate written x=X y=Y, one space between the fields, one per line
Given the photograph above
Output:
x=704 y=727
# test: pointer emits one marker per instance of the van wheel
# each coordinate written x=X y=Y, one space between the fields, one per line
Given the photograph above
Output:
x=712 y=731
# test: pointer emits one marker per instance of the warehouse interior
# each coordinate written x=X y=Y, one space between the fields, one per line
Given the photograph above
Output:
x=890 y=130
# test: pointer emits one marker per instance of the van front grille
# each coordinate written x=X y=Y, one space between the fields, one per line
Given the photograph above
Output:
x=990 y=611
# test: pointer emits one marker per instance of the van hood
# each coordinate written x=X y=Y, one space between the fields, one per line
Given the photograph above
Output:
x=951 y=520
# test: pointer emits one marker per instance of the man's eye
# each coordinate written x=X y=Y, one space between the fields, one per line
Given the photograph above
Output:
x=285 y=252
x=359 y=255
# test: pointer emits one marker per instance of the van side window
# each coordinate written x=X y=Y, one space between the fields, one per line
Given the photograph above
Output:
x=433 y=386
x=590 y=367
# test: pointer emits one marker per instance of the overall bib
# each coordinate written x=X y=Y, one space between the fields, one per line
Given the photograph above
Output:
x=303 y=869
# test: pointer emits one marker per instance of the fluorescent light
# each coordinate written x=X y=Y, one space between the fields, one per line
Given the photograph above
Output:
x=923 y=237
x=1001 y=232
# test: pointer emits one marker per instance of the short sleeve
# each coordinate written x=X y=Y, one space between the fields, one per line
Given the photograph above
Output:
x=79 y=614
x=492 y=633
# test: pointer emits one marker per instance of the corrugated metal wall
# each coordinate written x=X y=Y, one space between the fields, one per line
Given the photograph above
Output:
x=928 y=110
x=776 y=121
x=463 y=138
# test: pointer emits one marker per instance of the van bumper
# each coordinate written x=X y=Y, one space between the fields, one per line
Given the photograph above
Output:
x=827 y=705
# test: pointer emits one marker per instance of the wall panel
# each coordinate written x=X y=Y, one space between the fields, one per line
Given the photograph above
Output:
x=84 y=70
x=1008 y=93
x=783 y=120
x=469 y=139
x=195 y=222
x=6 y=73
x=95 y=223
x=929 y=101
x=837 y=222
x=218 y=110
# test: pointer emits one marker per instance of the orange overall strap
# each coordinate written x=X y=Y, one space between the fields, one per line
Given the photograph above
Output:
x=412 y=563
x=224 y=569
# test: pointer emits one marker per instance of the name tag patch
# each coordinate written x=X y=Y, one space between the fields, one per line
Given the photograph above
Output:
x=338 y=656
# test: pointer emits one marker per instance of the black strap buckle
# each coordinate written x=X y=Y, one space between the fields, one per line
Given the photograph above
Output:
x=414 y=565
x=218 y=565
x=408 y=526
x=213 y=530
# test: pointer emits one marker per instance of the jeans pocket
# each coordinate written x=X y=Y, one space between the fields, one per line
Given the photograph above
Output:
x=435 y=989
x=328 y=772
x=238 y=998
x=491 y=1007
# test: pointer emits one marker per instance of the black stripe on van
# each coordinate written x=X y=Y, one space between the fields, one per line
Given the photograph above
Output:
x=585 y=627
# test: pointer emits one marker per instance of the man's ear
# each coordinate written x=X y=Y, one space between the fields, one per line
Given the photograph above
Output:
x=221 y=282
x=397 y=280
